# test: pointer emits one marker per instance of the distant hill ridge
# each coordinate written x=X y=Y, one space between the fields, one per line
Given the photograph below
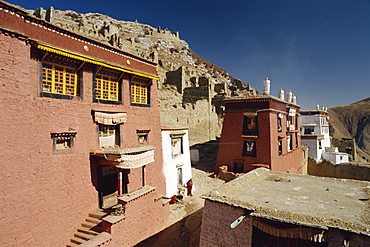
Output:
x=353 y=121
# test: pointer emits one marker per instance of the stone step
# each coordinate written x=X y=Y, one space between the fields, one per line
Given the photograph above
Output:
x=72 y=245
x=87 y=231
x=77 y=240
x=88 y=225
x=97 y=214
x=93 y=220
x=83 y=236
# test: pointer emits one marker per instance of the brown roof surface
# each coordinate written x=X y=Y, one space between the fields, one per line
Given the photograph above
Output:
x=300 y=199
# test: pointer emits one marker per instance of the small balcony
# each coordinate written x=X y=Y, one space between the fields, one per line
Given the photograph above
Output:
x=127 y=158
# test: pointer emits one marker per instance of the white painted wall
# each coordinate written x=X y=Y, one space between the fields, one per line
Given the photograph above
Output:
x=334 y=156
x=171 y=164
x=321 y=127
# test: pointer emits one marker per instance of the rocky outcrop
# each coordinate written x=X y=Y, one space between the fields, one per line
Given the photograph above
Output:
x=191 y=89
x=353 y=121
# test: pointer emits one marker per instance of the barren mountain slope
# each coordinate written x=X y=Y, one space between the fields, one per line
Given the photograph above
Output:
x=353 y=121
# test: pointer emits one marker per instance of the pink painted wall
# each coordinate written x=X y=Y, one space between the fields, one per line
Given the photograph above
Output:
x=46 y=194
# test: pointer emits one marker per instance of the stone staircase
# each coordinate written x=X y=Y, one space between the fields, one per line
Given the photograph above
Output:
x=90 y=233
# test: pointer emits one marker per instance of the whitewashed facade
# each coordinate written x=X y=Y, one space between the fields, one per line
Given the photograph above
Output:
x=335 y=156
x=315 y=135
x=176 y=159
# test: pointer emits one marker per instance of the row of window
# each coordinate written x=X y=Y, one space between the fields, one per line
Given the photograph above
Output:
x=250 y=124
x=109 y=136
x=61 y=76
x=249 y=147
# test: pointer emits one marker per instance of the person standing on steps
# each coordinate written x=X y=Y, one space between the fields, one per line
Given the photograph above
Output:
x=189 y=186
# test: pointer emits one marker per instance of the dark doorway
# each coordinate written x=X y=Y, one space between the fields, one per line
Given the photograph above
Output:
x=108 y=184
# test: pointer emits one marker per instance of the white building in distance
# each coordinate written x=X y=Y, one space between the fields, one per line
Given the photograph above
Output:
x=315 y=135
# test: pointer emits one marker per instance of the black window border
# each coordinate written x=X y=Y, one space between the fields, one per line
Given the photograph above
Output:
x=247 y=131
x=249 y=154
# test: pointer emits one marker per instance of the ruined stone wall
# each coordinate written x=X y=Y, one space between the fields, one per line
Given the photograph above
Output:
x=346 y=170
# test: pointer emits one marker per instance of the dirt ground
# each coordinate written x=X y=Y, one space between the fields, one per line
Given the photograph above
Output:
x=183 y=228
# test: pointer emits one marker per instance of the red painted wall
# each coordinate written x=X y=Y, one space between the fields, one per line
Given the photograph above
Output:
x=267 y=110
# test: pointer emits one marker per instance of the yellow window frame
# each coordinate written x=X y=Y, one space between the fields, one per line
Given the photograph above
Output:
x=106 y=87
x=139 y=93
x=58 y=80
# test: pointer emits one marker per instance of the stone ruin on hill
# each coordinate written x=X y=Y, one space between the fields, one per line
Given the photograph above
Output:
x=191 y=89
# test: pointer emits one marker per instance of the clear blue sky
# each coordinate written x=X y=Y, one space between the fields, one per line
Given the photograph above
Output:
x=319 y=49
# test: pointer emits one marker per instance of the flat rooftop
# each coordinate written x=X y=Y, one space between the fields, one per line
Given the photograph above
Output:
x=312 y=201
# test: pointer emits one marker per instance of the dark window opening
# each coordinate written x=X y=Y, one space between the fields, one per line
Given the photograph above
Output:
x=238 y=166
x=308 y=130
x=280 y=147
x=279 y=122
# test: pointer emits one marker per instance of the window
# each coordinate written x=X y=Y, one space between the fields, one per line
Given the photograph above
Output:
x=280 y=148
x=63 y=140
x=177 y=146
x=59 y=76
x=140 y=91
x=249 y=148
x=238 y=166
x=279 y=121
x=109 y=135
x=107 y=86
x=290 y=123
x=142 y=136
x=179 y=177
x=250 y=125
x=308 y=130
x=290 y=143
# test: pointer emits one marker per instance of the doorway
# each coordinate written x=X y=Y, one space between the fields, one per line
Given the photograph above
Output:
x=108 y=186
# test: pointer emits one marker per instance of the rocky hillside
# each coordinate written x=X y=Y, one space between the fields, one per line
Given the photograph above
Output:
x=353 y=121
x=191 y=89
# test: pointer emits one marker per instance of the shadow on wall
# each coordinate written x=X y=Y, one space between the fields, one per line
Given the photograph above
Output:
x=184 y=233
x=207 y=155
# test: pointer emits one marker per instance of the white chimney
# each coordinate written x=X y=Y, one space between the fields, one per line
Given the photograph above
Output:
x=317 y=107
x=289 y=96
x=294 y=99
x=266 y=86
x=281 y=94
